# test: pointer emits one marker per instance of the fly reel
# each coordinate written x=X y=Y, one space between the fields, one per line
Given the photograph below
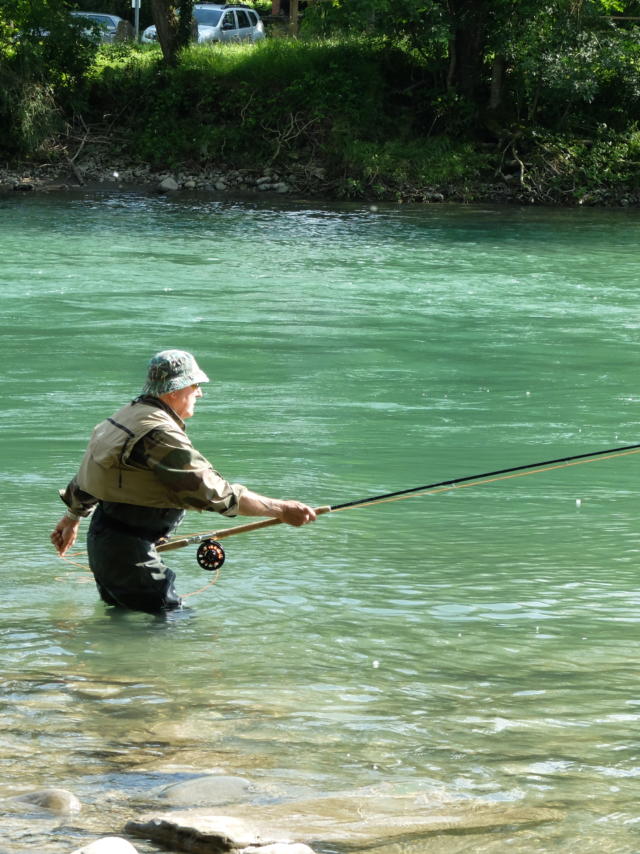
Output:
x=210 y=555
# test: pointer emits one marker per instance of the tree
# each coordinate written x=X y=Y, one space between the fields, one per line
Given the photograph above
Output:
x=174 y=25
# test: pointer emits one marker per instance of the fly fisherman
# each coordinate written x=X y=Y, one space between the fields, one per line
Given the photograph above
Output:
x=139 y=474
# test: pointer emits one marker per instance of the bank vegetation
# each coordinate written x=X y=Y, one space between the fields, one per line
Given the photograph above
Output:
x=372 y=99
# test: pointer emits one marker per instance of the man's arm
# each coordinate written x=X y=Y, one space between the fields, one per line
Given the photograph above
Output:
x=291 y=512
x=198 y=486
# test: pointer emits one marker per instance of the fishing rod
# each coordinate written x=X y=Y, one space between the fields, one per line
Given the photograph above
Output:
x=210 y=554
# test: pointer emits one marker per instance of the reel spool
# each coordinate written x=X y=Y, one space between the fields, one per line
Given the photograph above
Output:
x=210 y=555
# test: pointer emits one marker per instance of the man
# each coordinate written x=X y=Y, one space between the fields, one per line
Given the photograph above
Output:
x=139 y=474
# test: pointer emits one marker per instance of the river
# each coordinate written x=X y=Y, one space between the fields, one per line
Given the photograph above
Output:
x=477 y=647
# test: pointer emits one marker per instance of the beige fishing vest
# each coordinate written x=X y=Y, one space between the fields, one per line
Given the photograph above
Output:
x=105 y=471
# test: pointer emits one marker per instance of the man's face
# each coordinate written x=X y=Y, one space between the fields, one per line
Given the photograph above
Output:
x=183 y=402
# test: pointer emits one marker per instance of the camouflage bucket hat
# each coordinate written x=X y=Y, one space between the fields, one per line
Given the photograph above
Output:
x=171 y=370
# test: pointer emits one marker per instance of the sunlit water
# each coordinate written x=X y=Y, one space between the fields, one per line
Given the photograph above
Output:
x=477 y=647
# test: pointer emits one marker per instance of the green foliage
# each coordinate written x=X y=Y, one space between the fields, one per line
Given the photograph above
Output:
x=571 y=169
x=575 y=73
x=518 y=59
x=262 y=7
x=44 y=53
x=40 y=40
x=252 y=102
x=29 y=114
x=411 y=165
x=421 y=22
x=119 y=58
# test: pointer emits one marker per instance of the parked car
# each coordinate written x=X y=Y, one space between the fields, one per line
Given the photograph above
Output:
x=107 y=24
x=221 y=23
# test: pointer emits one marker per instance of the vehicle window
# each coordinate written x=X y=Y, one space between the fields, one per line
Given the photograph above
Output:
x=209 y=17
x=228 y=22
x=243 y=19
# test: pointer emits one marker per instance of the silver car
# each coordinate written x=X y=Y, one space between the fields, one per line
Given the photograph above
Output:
x=106 y=24
x=221 y=23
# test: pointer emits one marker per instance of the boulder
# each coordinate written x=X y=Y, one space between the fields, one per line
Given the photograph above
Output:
x=214 y=835
x=168 y=185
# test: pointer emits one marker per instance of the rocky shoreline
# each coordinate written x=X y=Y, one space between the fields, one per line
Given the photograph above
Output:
x=101 y=175
x=97 y=173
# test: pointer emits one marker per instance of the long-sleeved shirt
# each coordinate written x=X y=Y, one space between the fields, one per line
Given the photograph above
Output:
x=177 y=465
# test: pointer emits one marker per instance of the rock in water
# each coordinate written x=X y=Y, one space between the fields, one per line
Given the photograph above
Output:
x=212 y=790
x=168 y=185
x=55 y=800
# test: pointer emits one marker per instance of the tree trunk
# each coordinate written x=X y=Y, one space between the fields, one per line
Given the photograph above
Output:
x=497 y=77
x=187 y=25
x=293 y=17
x=466 y=58
x=166 y=21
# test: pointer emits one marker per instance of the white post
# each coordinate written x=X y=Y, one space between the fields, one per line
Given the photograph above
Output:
x=136 y=8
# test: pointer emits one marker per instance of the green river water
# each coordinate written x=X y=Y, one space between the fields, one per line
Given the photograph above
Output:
x=477 y=648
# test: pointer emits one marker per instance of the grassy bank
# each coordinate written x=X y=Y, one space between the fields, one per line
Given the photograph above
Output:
x=354 y=118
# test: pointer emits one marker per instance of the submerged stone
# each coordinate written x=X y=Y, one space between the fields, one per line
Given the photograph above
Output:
x=211 y=790
x=54 y=800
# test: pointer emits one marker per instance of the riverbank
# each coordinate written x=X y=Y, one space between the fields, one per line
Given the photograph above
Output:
x=348 y=118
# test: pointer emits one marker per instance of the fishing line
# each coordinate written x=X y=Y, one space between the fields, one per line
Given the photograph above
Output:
x=70 y=558
x=545 y=465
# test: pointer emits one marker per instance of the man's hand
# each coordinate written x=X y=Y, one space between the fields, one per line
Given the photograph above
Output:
x=64 y=534
x=295 y=513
